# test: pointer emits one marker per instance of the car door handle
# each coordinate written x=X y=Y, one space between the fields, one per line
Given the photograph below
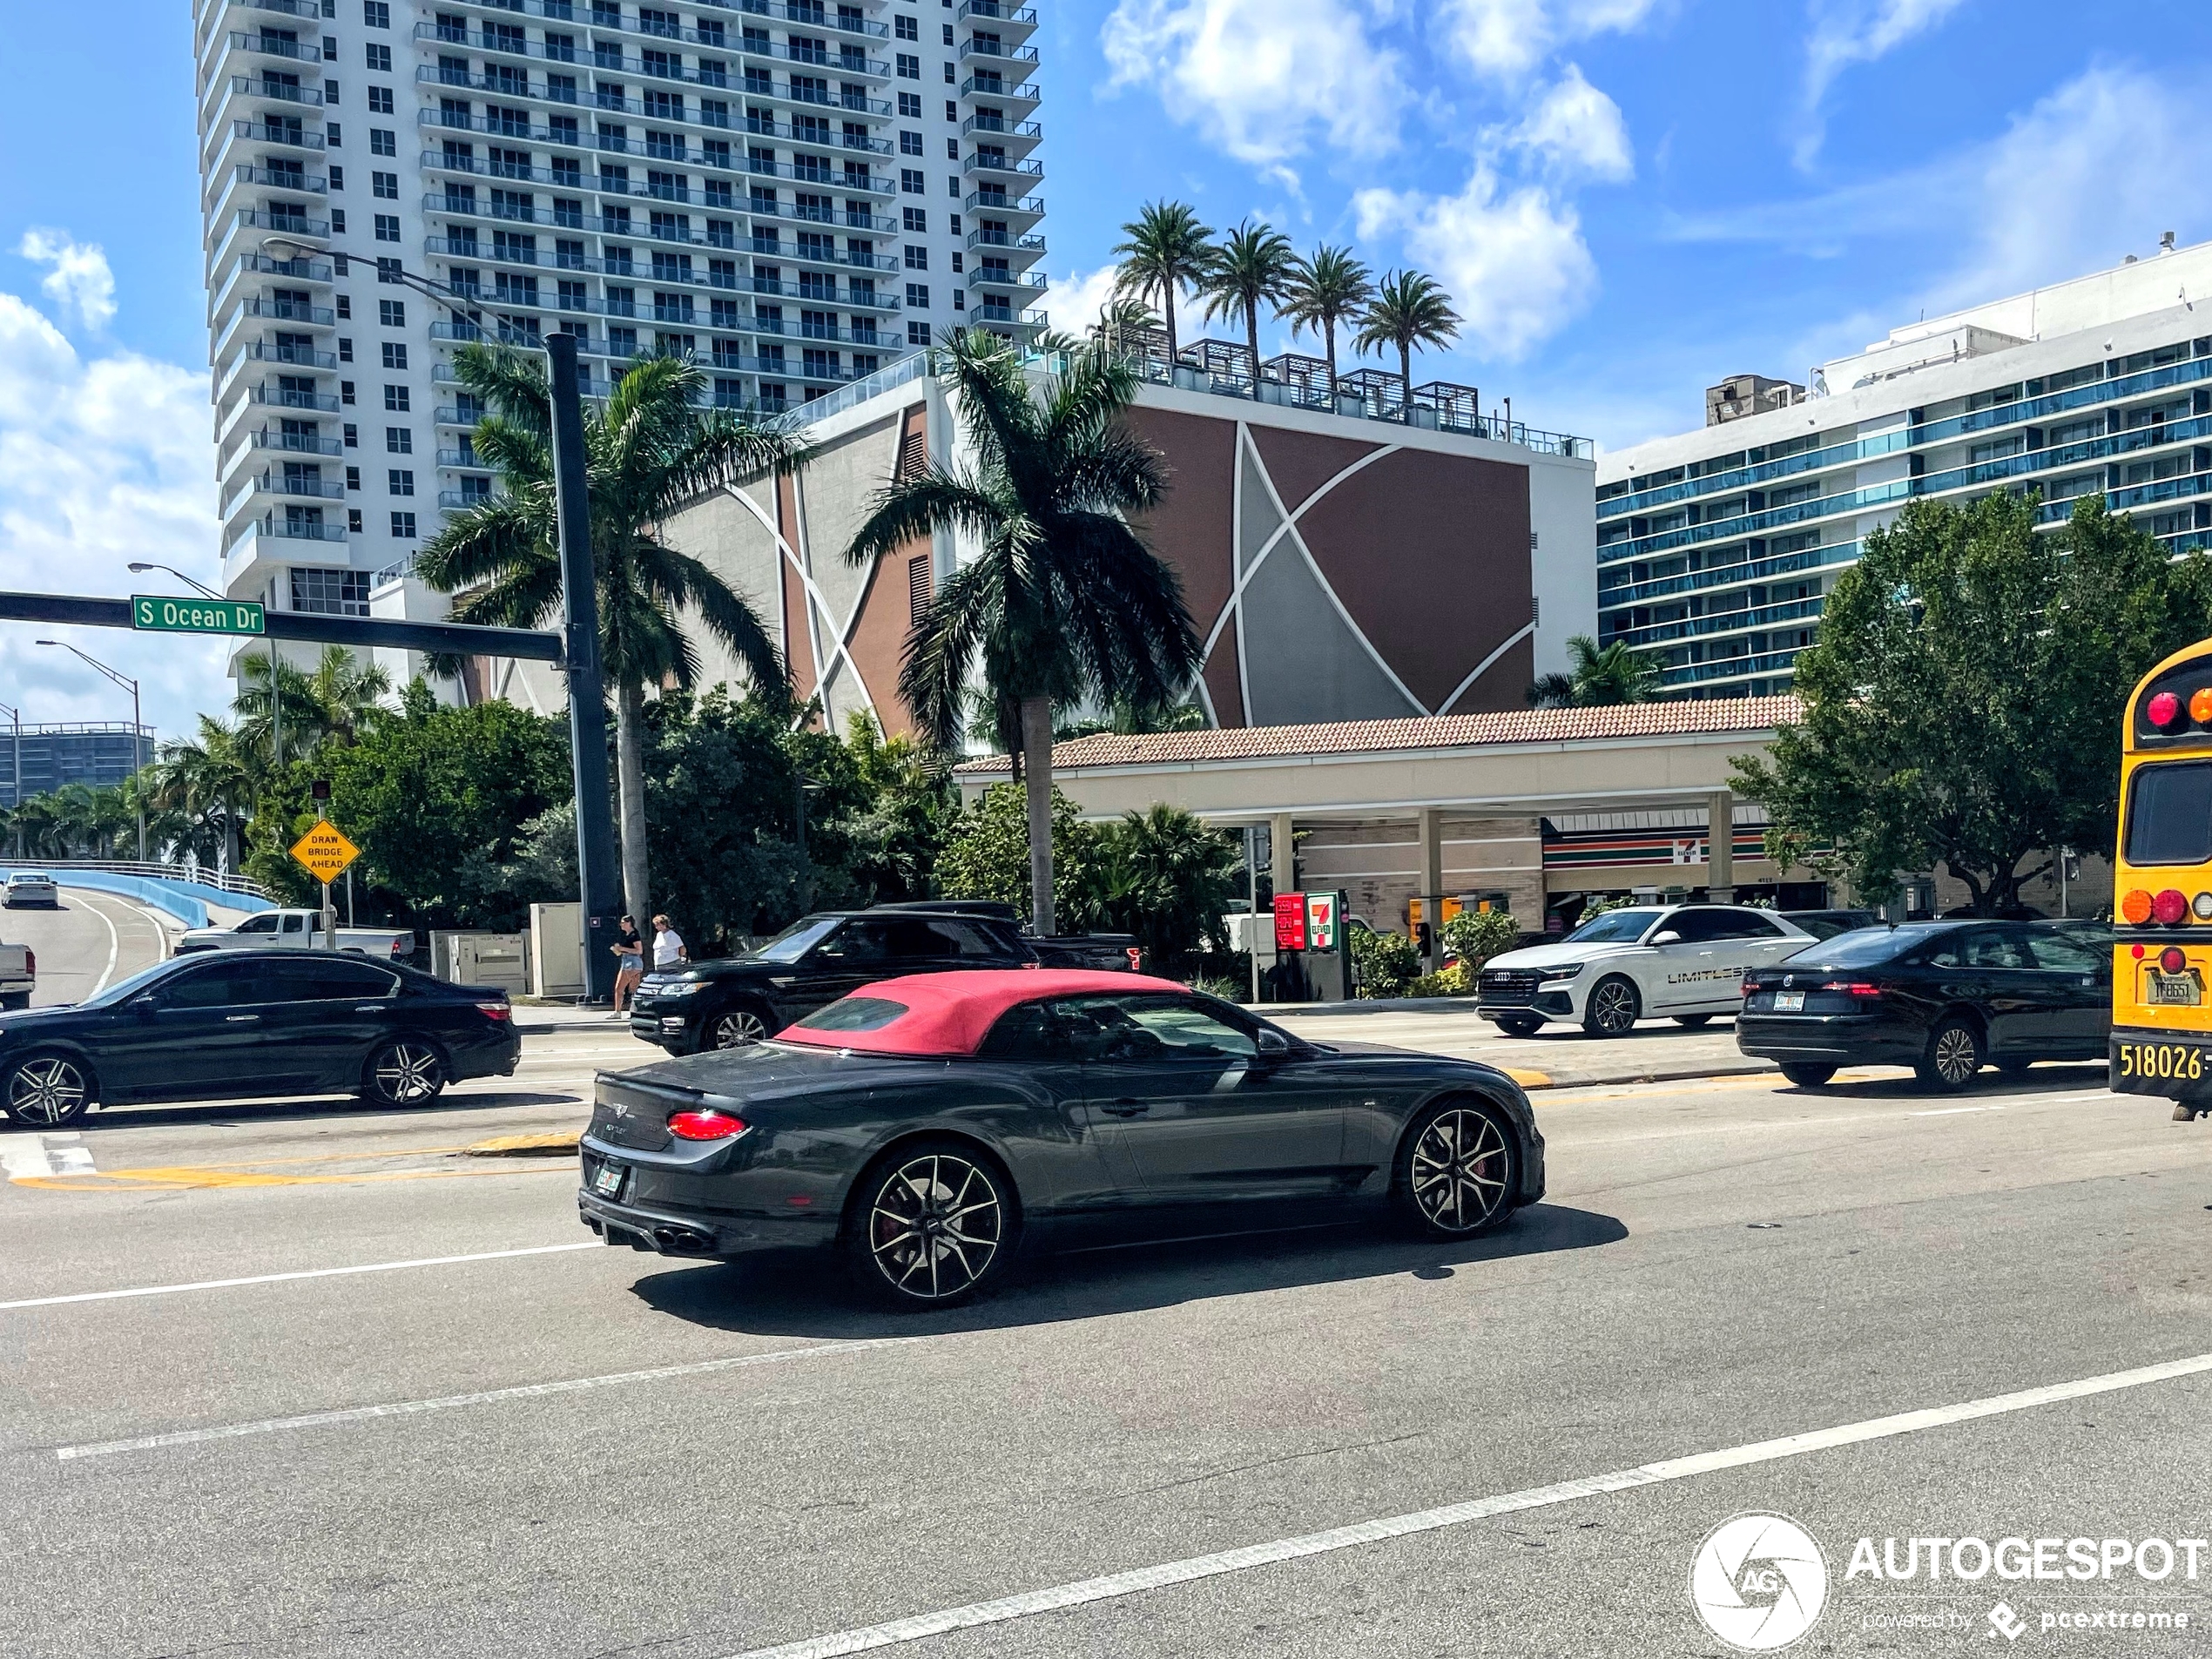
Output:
x=370 y=1007
x=240 y=1019
x=1125 y=1108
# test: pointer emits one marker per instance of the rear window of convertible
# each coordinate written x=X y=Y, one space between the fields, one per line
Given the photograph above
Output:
x=854 y=1014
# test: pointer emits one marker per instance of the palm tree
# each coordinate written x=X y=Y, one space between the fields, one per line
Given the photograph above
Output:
x=1064 y=601
x=1330 y=288
x=1125 y=316
x=205 y=778
x=1250 y=268
x=648 y=451
x=347 y=698
x=295 y=705
x=1598 y=678
x=1168 y=251
x=1408 y=311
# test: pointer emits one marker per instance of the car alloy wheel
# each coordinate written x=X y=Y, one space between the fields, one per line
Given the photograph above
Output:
x=1460 y=1172
x=1612 y=1008
x=408 y=1073
x=934 y=1228
x=48 y=1090
x=737 y=1028
x=1953 y=1056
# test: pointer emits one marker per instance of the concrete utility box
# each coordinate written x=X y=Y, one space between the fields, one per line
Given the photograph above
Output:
x=502 y=960
x=556 y=950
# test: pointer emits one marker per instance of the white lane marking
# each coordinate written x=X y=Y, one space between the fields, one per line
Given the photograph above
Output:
x=1114 y=1585
x=23 y=1154
x=72 y=1160
x=275 y=1278
x=1955 y=1111
x=114 y=944
x=490 y=1396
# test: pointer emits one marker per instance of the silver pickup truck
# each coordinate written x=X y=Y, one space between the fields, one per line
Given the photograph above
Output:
x=18 y=976
x=297 y=930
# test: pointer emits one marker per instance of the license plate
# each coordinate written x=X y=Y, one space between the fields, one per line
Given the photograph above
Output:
x=2175 y=990
x=606 y=1180
x=1789 y=1001
x=2141 y=1066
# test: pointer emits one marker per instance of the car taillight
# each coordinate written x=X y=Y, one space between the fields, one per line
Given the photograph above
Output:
x=1749 y=986
x=29 y=959
x=495 y=1010
x=1853 y=988
x=2169 y=907
x=706 y=1126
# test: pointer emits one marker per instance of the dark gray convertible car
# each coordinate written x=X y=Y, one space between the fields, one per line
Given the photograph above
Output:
x=927 y=1126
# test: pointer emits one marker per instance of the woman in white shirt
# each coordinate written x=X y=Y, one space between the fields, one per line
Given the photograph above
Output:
x=668 y=945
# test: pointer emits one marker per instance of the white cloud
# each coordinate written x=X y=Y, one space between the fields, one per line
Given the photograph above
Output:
x=1263 y=78
x=80 y=280
x=2126 y=152
x=1513 y=258
x=1506 y=39
x=1848 y=32
x=103 y=460
x=1576 y=129
x=1078 y=297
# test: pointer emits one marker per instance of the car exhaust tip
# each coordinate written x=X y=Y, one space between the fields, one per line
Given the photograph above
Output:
x=682 y=1241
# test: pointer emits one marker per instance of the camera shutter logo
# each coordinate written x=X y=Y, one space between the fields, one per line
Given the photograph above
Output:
x=1759 y=1583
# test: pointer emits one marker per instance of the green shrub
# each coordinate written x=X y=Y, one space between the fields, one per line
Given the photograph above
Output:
x=1387 y=962
x=1475 y=936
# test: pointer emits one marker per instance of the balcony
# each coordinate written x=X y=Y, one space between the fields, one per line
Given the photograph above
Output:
x=1022 y=213
x=279 y=527
x=1007 y=168
x=523 y=88
x=297 y=443
x=1023 y=287
x=987 y=54
x=267 y=89
x=300 y=52
x=1008 y=22
x=1026 y=249
x=263 y=132
x=463 y=460
x=614 y=61
x=284 y=398
x=291 y=311
x=1017 y=138
x=1003 y=315
x=273 y=483
x=580 y=11
x=266 y=223
x=307 y=184
x=454 y=500
x=1019 y=99
x=260 y=351
x=575 y=136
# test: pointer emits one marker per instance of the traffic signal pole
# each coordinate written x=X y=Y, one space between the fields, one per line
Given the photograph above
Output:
x=597 y=869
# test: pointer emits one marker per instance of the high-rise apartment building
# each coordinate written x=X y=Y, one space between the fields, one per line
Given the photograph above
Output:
x=1715 y=548
x=795 y=191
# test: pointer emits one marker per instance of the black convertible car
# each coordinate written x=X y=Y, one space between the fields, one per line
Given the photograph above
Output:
x=924 y=1125
x=252 y=1024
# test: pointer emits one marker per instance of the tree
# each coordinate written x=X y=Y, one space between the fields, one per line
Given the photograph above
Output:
x=1168 y=878
x=1168 y=251
x=1125 y=318
x=987 y=854
x=1063 y=601
x=1126 y=720
x=1963 y=699
x=1598 y=678
x=1409 y=312
x=1330 y=288
x=208 y=778
x=1250 y=268
x=912 y=809
x=648 y=451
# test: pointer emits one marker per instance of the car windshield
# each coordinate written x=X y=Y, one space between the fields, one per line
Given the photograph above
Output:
x=1614 y=927
x=1861 y=948
x=795 y=941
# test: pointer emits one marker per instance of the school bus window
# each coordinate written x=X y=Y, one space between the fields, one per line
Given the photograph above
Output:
x=2170 y=814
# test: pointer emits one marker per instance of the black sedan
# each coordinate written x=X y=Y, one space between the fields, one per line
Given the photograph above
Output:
x=925 y=1126
x=1943 y=997
x=252 y=1025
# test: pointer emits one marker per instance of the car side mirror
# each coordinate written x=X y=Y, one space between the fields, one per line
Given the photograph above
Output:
x=1671 y=937
x=145 y=1004
x=1273 y=1043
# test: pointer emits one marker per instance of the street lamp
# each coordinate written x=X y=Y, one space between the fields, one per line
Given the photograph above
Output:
x=15 y=801
x=276 y=704
x=137 y=727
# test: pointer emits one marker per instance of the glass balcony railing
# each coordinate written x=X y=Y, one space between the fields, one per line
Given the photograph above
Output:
x=277 y=132
x=710 y=33
x=300 y=52
x=280 y=92
x=297 y=443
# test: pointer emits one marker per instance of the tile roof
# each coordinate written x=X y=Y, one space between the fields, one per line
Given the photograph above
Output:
x=1631 y=720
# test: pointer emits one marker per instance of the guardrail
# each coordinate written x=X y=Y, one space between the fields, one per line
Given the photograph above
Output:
x=196 y=874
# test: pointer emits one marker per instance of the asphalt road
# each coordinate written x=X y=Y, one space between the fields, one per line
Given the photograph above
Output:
x=89 y=943
x=469 y=1431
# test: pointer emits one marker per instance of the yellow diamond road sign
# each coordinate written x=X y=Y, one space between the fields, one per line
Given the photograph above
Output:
x=326 y=852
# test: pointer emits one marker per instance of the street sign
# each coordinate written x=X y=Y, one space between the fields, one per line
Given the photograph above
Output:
x=166 y=616
x=326 y=852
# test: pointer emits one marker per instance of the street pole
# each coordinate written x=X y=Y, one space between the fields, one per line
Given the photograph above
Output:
x=15 y=801
x=276 y=713
x=596 y=867
x=138 y=783
x=120 y=679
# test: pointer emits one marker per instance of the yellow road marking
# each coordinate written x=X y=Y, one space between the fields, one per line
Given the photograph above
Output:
x=187 y=1177
x=526 y=1145
x=1528 y=1079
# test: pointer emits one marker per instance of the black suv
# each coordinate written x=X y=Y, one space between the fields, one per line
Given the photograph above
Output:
x=819 y=957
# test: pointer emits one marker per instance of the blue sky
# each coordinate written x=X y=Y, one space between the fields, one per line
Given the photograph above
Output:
x=1628 y=199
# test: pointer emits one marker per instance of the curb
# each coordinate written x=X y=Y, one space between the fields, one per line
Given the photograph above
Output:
x=557 y=1145
x=1539 y=1080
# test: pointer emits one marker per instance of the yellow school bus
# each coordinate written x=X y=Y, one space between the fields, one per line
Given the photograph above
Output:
x=2161 y=1023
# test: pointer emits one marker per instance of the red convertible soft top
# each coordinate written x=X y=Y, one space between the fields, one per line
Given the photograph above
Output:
x=946 y=1014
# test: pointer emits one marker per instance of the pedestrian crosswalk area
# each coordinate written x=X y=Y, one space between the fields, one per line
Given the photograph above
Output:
x=27 y=1156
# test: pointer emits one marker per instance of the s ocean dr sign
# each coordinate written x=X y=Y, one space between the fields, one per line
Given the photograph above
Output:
x=157 y=613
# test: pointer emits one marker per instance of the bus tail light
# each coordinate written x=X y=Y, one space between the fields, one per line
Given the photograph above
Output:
x=2201 y=906
x=2201 y=706
x=2136 y=907
x=2164 y=710
x=2171 y=961
x=2170 y=908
